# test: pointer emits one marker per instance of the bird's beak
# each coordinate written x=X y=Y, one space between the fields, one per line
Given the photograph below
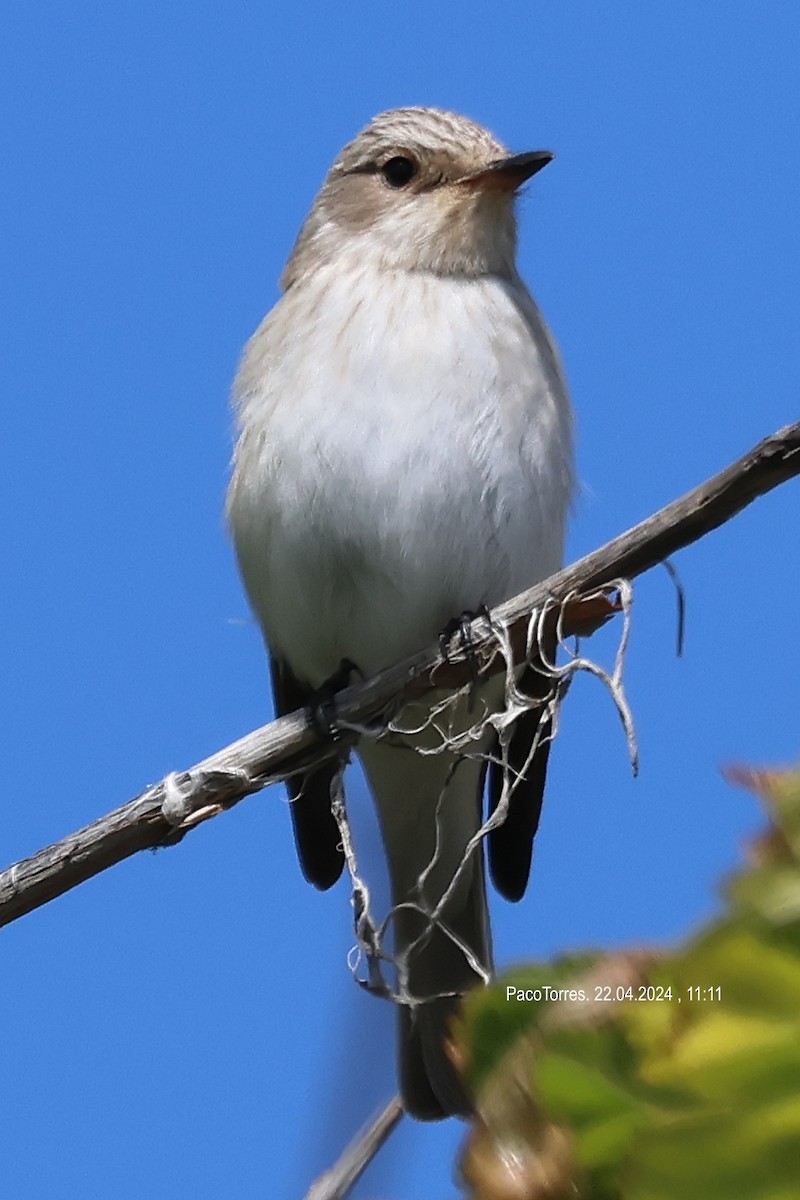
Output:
x=507 y=174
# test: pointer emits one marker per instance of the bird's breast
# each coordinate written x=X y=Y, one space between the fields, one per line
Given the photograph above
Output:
x=404 y=455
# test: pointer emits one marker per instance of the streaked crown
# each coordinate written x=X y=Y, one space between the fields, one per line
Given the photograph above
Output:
x=418 y=189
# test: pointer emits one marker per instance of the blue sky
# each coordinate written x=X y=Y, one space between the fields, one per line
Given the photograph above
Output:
x=185 y=1024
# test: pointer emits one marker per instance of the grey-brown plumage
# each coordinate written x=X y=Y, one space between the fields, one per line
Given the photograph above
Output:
x=405 y=455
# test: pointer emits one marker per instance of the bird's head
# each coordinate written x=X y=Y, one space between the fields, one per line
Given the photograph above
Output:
x=419 y=189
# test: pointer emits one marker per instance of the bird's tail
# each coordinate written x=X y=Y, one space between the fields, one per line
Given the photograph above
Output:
x=430 y=807
x=440 y=969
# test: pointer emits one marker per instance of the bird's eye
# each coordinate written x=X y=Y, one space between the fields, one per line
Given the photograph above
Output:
x=399 y=171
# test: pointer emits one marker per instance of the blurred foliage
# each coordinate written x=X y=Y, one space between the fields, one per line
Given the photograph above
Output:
x=645 y=1075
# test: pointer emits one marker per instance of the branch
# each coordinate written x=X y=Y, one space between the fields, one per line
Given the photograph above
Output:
x=164 y=813
x=336 y=1182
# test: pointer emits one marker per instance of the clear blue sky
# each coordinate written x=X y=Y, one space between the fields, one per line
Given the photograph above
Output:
x=185 y=1024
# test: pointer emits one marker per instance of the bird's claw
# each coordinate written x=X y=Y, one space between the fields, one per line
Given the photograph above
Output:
x=321 y=705
x=462 y=625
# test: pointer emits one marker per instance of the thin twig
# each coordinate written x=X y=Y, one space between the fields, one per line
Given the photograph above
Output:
x=337 y=1181
x=166 y=812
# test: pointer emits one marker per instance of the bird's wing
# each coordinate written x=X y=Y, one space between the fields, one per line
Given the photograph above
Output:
x=511 y=844
x=316 y=833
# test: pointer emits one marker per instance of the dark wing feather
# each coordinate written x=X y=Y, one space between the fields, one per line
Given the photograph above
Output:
x=511 y=844
x=316 y=833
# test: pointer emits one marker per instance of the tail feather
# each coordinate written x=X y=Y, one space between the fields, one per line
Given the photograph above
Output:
x=440 y=970
x=429 y=807
x=429 y=1085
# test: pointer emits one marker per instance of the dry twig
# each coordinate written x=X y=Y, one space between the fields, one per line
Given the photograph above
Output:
x=164 y=813
x=337 y=1181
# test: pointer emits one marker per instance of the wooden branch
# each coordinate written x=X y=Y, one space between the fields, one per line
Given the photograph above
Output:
x=336 y=1182
x=164 y=813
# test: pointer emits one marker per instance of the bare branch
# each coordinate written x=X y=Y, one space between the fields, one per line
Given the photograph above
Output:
x=163 y=814
x=336 y=1182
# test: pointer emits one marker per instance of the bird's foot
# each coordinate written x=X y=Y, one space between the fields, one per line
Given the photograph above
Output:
x=462 y=625
x=321 y=704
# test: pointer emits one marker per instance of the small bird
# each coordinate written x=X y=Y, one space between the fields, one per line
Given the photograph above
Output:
x=404 y=456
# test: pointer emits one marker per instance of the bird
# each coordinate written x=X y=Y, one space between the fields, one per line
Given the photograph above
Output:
x=404 y=456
